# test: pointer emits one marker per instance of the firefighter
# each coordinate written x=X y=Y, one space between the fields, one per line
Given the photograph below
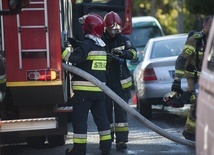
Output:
x=89 y=56
x=119 y=48
x=188 y=65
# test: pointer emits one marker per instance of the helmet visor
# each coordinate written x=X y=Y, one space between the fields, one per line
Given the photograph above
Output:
x=114 y=29
x=82 y=19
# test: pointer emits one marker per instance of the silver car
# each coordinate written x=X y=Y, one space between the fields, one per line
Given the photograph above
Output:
x=143 y=28
x=153 y=77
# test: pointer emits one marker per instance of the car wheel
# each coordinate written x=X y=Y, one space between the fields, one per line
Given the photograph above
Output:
x=145 y=110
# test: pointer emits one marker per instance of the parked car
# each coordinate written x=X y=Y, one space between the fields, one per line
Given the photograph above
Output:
x=154 y=75
x=205 y=101
x=143 y=28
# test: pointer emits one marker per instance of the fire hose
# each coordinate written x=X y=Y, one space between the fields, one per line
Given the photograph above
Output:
x=126 y=107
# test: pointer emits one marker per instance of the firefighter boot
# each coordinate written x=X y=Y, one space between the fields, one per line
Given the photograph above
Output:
x=70 y=151
x=184 y=99
x=78 y=149
x=105 y=146
x=121 y=146
x=105 y=152
x=188 y=136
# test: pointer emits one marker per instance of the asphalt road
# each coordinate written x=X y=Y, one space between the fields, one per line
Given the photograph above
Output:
x=142 y=141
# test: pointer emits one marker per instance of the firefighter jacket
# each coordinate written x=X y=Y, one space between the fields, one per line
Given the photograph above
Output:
x=91 y=58
x=189 y=62
x=118 y=75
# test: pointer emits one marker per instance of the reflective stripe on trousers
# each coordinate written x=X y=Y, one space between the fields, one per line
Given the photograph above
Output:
x=104 y=135
x=80 y=138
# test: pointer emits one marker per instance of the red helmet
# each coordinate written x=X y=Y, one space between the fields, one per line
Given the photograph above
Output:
x=113 y=22
x=93 y=24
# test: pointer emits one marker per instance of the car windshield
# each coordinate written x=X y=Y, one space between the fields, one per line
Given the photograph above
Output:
x=141 y=35
x=167 y=48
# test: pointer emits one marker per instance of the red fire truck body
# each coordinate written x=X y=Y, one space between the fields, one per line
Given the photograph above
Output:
x=36 y=82
x=32 y=42
x=33 y=55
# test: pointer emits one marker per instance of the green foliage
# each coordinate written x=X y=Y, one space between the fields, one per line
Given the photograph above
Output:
x=174 y=13
x=163 y=10
x=168 y=20
x=205 y=7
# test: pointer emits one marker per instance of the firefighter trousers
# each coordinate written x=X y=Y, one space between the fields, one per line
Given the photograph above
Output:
x=118 y=119
x=81 y=108
x=191 y=117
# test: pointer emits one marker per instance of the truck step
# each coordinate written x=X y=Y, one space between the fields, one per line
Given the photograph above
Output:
x=64 y=109
x=28 y=124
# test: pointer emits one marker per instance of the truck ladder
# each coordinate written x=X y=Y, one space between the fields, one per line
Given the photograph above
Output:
x=2 y=32
x=28 y=124
x=45 y=27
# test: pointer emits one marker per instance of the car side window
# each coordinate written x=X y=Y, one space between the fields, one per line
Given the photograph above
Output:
x=210 y=59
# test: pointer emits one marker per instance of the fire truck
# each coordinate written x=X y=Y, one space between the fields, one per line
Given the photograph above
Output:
x=33 y=33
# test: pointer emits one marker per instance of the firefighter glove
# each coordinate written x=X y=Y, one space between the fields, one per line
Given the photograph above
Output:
x=66 y=54
x=176 y=86
x=74 y=43
x=117 y=52
x=109 y=57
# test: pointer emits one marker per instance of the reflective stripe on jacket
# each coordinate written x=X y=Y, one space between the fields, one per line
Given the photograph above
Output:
x=90 y=58
x=97 y=62
x=118 y=74
x=85 y=86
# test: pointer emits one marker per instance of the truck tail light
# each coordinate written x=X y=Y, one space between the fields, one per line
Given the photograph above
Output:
x=43 y=75
x=149 y=75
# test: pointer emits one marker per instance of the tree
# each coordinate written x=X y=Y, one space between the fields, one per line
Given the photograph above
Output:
x=166 y=11
x=175 y=16
x=205 y=7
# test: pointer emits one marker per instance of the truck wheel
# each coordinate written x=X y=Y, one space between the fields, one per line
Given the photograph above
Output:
x=56 y=140
x=36 y=141
x=146 y=110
